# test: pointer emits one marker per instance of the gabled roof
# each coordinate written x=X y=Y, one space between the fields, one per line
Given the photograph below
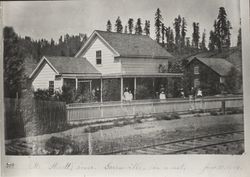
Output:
x=219 y=65
x=129 y=45
x=67 y=65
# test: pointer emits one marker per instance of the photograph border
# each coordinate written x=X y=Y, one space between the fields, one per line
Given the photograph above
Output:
x=138 y=165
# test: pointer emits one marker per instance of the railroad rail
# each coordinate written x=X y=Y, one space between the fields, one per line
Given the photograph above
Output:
x=212 y=143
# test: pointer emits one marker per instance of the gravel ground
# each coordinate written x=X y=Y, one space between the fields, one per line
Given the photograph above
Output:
x=77 y=141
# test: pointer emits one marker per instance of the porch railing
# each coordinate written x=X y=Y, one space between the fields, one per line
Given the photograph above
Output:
x=90 y=111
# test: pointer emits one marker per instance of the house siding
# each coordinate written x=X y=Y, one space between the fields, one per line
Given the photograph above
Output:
x=208 y=78
x=142 y=65
x=109 y=63
x=46 y=74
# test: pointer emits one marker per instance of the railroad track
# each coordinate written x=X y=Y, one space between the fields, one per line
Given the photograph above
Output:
x=220 y=143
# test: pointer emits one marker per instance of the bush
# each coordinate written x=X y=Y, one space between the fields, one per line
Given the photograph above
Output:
x=167 y=116
x=214 y=113
x=174 y=115
x=138 y=119
x=43 y=94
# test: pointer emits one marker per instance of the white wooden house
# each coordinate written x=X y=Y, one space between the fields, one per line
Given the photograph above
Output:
x=107 y=55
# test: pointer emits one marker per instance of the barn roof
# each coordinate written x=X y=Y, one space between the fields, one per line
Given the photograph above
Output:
x=67 y=65
x=219 y=65
x=130 y=45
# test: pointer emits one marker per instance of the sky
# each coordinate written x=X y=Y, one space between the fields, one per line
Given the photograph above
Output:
x=50 y=19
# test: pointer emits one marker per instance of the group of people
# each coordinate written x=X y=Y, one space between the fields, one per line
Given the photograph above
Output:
x=127 y=95
x=194 y=93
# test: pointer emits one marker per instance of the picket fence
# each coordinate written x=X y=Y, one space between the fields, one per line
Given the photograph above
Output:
x=90 y=111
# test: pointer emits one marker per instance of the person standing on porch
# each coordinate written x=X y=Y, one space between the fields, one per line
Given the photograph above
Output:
x=130 y=96
x=162 y=96
x=126 y=95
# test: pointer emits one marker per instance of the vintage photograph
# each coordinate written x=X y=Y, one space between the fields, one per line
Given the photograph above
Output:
x=122 y=77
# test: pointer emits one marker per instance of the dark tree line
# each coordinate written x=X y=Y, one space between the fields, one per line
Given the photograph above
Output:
x=175 y=38
x=22 y=53
x=130 y=27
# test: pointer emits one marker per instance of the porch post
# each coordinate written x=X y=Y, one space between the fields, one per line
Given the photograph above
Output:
x=154 y=86
x=101 y=90
x=121 y=88
x=134 y=88
x=76 y=83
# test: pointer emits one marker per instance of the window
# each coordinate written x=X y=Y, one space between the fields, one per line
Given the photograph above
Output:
x=51 y=87
x=196 y=70
x=99 y=57
x=196 y=83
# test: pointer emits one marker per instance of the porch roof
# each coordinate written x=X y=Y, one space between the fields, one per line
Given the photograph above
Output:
x=119 y=75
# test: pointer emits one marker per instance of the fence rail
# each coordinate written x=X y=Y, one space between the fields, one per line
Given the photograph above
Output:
x=84 y=111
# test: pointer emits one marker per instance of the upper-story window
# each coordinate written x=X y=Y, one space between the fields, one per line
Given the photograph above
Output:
x=196 y=70
x=98 y=57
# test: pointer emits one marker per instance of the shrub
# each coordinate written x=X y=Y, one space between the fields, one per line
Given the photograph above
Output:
x=138 y=119
x=213 y=113
x=43 y=94
x=174 y=115
x=167 y=116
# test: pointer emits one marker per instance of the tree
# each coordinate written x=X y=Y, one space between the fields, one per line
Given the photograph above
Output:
x=177 y=27
x=126 y=29
x=183 y=31
x=188 y=42
x=147 y=27
x=118 y=25
x=196 y=35
x=212 y=40
x=239 y=38
x=233 y=81
x=158 y=21
x=222 y=30
x=138 y=28
x=109 y=26
x=13 y=64
x=170 y=38
x=130 y=25
x=162 y=34
x=203 y=41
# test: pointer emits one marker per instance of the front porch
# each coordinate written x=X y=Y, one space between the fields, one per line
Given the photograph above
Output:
x=111 y=87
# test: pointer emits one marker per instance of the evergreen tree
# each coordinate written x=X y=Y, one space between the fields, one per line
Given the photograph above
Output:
x=222 y=30
x=162 y=34
x=118 y=25
x=138 y=28
x=13 y=63
x=147 y=27
x=109 y=26
x=239 y=38
x=177 y=27
x=130 y=25
x=126 y=29
x=203 y=41
x=228 y=34
x=158 y=21
x=196 y=35
x=188 y=42
x=183 y=31
x=170 y=39
x=212 y=40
